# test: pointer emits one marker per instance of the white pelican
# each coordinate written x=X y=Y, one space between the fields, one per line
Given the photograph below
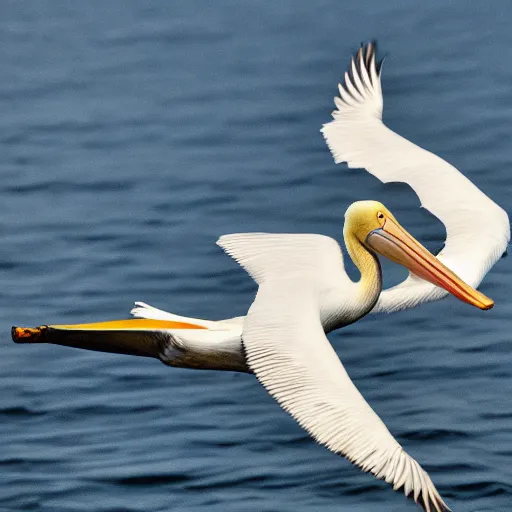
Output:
x=304 y=291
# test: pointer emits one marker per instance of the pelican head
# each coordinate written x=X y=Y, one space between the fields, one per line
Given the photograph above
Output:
x=375 y=227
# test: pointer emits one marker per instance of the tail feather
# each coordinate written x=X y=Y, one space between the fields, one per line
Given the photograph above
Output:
x=143 y=310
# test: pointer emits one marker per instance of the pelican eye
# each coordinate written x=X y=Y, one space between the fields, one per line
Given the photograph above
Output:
x=380 y=215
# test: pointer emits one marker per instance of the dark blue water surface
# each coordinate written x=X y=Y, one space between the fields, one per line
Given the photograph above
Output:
x=132 y=135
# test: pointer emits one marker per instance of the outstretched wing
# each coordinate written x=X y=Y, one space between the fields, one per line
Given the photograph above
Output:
x=285 y=346
x=287 y=349
x=478 y=230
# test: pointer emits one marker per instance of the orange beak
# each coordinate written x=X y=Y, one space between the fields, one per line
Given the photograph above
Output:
x=393 y=241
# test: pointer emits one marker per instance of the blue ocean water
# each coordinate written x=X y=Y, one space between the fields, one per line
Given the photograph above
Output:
x=132 y=135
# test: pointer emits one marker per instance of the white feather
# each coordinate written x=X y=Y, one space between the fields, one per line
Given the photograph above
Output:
x=268 y=256
x=287 y=350
x=478 y=230
x=143 y=310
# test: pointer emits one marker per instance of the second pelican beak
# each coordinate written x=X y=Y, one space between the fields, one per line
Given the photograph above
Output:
x=393 y=242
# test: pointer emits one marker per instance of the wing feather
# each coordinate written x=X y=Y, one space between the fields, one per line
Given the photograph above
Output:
x=478 y=230
x=267 y=256
x=286 y=348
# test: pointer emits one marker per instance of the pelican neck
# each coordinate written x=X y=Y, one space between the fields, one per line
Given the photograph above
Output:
x=369 y=285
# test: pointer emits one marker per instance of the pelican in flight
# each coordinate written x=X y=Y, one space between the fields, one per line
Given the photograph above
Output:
x=304 y=291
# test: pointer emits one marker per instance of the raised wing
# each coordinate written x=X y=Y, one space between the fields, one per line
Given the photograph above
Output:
x=478 y=230
x=287 y=349
x=267 y=256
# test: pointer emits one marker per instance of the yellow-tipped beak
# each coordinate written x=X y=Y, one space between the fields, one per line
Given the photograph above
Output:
x=394 y=242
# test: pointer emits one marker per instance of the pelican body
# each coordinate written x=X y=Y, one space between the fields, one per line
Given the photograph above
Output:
x=304 y=291
x=370 y=228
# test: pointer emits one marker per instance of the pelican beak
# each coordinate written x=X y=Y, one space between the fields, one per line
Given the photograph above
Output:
x=393 y=242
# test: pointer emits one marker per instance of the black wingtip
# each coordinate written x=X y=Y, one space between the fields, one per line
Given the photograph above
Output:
x=365 y=56
x=370 y=51
x=440 y=506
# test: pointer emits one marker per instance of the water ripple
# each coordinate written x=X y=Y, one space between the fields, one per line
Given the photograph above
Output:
x=131 y=138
